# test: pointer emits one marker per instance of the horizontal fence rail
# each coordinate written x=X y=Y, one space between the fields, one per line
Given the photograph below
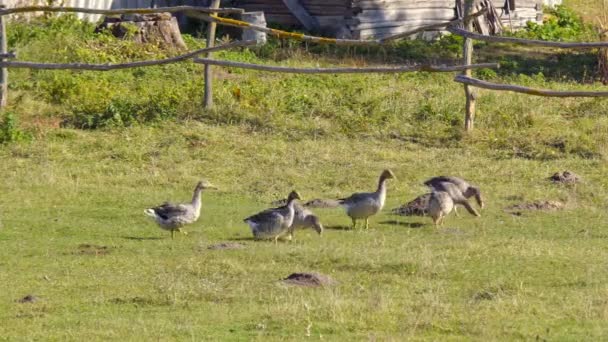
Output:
x=412 y=68
x=497 y=39
x=525 y=90
x=119 y=11
x=107 y=67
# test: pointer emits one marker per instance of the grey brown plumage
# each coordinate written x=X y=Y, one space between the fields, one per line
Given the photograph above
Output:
x=304 y=218
x=467 y=190
x=365 y=204
x=172 y=217
x=459 y=189
x=440 y=205
x=275 y=222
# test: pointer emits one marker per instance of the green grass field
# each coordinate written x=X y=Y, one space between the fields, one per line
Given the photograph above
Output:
x=73 y=232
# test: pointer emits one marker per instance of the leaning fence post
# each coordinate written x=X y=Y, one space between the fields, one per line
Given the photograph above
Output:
x=208 y=72
x=3 y=70
x=467 y=50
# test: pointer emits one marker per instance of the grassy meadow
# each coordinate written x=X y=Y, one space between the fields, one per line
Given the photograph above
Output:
x=84 y=153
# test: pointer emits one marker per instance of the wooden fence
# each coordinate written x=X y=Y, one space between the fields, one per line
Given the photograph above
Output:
x=210 y=14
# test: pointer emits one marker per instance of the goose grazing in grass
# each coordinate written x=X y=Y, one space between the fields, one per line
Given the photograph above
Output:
x=459 y=190
x=365 y=204
x=275 y=222
x=304 y=218
x=172 y=217
x=440 y=205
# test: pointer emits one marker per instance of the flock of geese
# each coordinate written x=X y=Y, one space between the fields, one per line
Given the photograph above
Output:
x=282 y=221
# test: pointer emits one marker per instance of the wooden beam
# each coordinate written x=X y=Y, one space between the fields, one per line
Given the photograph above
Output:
x=497 y=39
x=526 y=90
x=118 y=11
x=106 y=67
x=208 y=99
x=3 y=70
x=467 y=52
x=272 y=68
x=295 y=7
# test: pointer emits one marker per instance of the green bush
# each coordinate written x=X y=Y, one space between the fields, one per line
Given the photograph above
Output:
x=9 y=129
x=562 y=24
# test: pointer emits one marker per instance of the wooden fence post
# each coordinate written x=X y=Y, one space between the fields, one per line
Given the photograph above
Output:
x=3 y=70
x=208 y=72
x=467 y=50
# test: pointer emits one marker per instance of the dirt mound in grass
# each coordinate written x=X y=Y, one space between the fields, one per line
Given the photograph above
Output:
x=226 y=245
x=87 y=249
x=309 y=279
x=565 y=177
x=416 y=207
x=537 y=205
x=28 y=299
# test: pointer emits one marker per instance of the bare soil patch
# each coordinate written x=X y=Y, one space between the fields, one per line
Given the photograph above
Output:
x=536 y=205
x=416 y=207
x=226 y=245
x=87 y=249
x=29 y=299
x=565 y=177
x=309 y=279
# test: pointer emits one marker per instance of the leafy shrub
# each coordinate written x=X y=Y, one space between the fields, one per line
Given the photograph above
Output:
x=9 y=129
x=561 y=24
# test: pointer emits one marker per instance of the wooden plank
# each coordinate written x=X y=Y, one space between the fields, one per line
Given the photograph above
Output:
x=526 y=90
x=174 y=9
x=410 y=23
x=309 y=22
x=208 y=99
x=498 y=39
x=416 y=14
x=3 y=70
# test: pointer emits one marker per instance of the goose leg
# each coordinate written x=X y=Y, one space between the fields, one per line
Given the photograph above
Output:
x=354 y=223
x=172 y=234
x=456 y=212
x=367 y=223
x=182 y=231
x=276 y=240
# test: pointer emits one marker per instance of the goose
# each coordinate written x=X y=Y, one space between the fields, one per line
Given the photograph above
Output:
x=172 y=217
x=275 y=222
x=365 y=204
x=465 y=188
x=440 y=205
x=455 y=193
x=304 y=218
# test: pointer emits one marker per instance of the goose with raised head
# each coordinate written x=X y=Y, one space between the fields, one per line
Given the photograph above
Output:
x=275 y=222
x=440 y=205
x=365 y=204
x=173 y=217
x=456 y=194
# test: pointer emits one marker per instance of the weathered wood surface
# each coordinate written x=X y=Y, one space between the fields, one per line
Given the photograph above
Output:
x=118 y=11
x=427 y=68
x=467 y=52
x=526 y=90
x=3 y=70
x=301 y=13
x=522 y=41
x=208 y=72
x=106 y=67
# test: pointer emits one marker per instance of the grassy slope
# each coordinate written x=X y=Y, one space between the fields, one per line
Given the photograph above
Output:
x=496 y=277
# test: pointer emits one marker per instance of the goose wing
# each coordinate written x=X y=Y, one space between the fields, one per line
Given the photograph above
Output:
x=168 y=210
x=270 y=216
x=356 y=198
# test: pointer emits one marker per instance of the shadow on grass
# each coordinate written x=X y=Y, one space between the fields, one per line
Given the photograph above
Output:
x=140 y=238
x=414 y=225
x=338 y=227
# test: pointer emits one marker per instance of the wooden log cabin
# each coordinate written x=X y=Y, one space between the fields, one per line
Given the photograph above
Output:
x=366 y=19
